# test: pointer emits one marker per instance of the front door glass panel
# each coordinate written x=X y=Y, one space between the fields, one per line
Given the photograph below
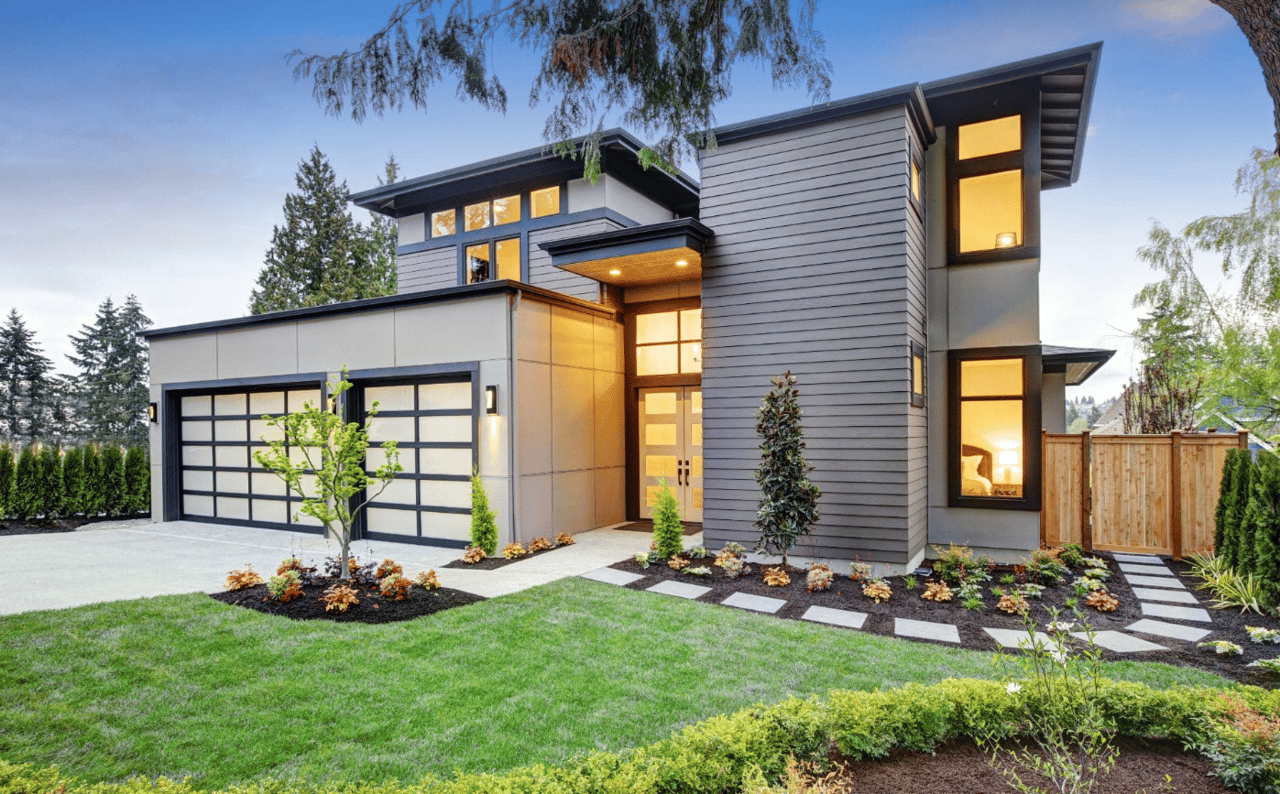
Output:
x=671 y=448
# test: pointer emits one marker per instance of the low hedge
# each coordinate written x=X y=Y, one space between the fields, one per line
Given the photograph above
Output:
x=716 y=755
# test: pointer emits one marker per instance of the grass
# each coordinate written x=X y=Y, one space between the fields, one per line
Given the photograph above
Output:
x=184 y=685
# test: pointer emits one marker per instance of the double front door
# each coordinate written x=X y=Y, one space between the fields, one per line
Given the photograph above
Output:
x=671 y=448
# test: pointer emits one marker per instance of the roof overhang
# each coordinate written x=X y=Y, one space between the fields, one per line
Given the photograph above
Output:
x=909 y=96
x=1077 y=363
x=650 y=254
x=532 y=168
x=1065 y=80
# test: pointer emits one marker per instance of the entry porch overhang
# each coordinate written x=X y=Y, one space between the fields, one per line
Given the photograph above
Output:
x=652 y=254
x=1078 y=363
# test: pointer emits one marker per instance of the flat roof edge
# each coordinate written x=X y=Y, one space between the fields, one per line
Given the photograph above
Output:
x=909 y=95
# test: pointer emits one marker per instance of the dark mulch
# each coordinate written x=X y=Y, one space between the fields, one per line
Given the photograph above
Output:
x=960 y=766
x=49 y=527
x=645 y=525
x=372 y=608
x=496 y=561
x=847 y=594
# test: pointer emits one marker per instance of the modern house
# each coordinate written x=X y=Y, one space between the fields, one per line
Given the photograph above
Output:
x=579 y=342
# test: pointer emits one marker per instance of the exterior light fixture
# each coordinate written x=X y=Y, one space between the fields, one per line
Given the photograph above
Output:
x=1006 y=239
x=153 y=413
x=615 y=272
x=681 y=263
x=491 y=400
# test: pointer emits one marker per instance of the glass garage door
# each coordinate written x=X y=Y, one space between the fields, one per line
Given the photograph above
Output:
x=433 y=424
x=220 y=480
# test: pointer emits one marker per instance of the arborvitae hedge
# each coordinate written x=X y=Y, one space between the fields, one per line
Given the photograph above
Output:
x=51 y=484
x=484 y=529
x=114 y=496
x=73 y=482
x=1225 y=489
x=91 y=497
x=28 y=501
x=7 y=464
x=1242 y=556
x=1236 y=471
x=45 y=483
x=137 y=481
x=1262 y=524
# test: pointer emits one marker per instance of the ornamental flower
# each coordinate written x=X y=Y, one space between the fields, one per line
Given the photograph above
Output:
x=1061 y=626
x=1012 y=688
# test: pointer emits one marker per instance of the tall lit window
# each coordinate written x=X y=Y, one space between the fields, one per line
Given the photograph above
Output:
x=989 y=185
x=669 y=343
x=917 y=374
x=991 y=428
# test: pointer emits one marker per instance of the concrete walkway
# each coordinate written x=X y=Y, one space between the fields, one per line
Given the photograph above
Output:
x=114 y=561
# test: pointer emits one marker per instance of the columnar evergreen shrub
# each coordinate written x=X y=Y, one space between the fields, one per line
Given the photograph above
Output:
x=668 y=534
x=788 y=500
x=1242 y=556
x=92 y=497
x=51 y=485
x=1237 y=474
x=114 y=496
x=1225 y=489
x=73 y=482
x=1262 y=517
x=137 y=481
x=484 y=529
x=27 y=501
x=7 y=464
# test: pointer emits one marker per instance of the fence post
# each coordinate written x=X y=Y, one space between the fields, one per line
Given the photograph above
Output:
x=1086 y=501
x=1244 y=439
x=1044 y=486
x=1175 y=493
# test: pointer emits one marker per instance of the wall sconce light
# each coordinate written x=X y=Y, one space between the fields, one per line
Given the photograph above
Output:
x=1006 y=239
x=491 y=400
x=153 y=413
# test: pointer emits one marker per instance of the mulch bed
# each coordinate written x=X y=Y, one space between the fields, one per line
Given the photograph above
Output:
x=372 y=608
x=847 y=594
x=960 y=766
x=645 y=525
x=496 y=561
x=61 y=525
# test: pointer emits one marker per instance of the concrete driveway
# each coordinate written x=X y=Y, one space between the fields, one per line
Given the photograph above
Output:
x=112 y=562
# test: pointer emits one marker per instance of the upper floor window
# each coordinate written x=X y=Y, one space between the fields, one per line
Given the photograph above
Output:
x=917 y=374
x=444 y=223
x=497 y=259
x=545 y=202
x=669 y=343
x=991 y=210
x=983 y=138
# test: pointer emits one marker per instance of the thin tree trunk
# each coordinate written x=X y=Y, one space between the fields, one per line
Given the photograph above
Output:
x=1260 y=22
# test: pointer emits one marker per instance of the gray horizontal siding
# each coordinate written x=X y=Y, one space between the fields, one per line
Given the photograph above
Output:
x=809 y=271
x=424 y=270
x=917 y=418
x=546 y=275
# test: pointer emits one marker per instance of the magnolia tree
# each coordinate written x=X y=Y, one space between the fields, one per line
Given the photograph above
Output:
x=331 y=475
x=788 y=500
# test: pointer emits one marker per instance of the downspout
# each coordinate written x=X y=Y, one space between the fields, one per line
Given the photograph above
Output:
x=513 y=487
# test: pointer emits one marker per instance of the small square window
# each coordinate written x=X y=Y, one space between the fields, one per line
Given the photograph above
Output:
x=996 y=136
x=545 y=202
x=990 y=211
x=506 y=210
x=477 y=216
x=917 y=374
x=915 y=180
x=444 y=223
x=478 y=263
x=507 y=255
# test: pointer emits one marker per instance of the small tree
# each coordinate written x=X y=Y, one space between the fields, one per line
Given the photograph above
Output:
x=668 y=533
x=51 y=482
x=27 y=501
x=1263 y=518
x=137 y=481
x=1162 y=400
x=93 y=489
x=788 y=500
x=114 y=496
x=1232 y=544
x=333 y=453
x=484 y=530
x=1225 y=489
x=6 y=480
x=73 y=481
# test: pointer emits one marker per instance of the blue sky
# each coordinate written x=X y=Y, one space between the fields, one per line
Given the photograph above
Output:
x=147 y=147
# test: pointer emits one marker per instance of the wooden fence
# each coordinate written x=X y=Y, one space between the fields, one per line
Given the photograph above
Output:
x=1153 y=494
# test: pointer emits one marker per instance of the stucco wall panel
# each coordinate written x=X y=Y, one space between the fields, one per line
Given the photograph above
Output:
x=472 y=330
x=572 y=419
x=184 y=358
x=534 y=409
x=361 y=341
x=257 y=352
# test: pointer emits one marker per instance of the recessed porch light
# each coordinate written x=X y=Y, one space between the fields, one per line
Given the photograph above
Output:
x=615 y=272
x=681 y=263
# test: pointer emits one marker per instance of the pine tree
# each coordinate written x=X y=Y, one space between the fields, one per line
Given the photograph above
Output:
x=114 y=373
x=484 y=530
x=27 y=497
x=24 y=383
x=1225 y=489
x=1263 y=519
x=73 y=482
x=383 y=236
x=114 y=495
x=788 y=500
x=52 y=486
x=7 y=463
x=668 y=534
x=320 y=255
x=92 y=495
x=137 y=481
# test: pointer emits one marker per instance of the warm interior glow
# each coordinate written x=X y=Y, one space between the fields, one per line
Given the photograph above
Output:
x=507 y=252
x=915 y=180
x=917 y=374
x=545 y=202
x=691 y=357
x=681 y=263
x=990 y=204
x=994 y=377
x=506 y=210
x=1006 y=239
x=477 y=263
x=476 y=216
x=444 y=223
x=657 y=335
x=1008 y=457
x=615 y=272
x=656 y=327
x=989 y=137
x=657 y=360
x=991 y=429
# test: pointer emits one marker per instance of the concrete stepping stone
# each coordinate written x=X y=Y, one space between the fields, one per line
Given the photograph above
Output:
x=1145 y=570
x=1141 y=559
x=754 y=603
x=1157 y=594
x=835 y=617
x=1154 y=581
x=924 y=630
x=1173 y=631
x=1016 y=638
x=678 y=589
x=1118 y=642
x=611 y=576
x=1176 y=612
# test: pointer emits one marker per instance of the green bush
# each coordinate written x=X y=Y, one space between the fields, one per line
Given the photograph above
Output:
x=1239 y=549
x=668 y=534
x=7 y=465
x=484 y=529
x=137 y=481
x=1226 y=488
x=788 y=499
x=73 y=482
x=27 y=495
x=114 y=495
x=1262 y=522
x=52 y=492
x=93 y=494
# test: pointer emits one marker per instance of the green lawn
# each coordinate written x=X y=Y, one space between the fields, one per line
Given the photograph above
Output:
x=184 y=685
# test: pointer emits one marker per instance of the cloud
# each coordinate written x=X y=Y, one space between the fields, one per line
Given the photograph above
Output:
x=1174 y=17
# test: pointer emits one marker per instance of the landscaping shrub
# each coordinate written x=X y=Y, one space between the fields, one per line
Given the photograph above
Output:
x=7 y=465
x=1232 y=542
x=137 y=481
x=1225 y=489
x=788 y=499
x=92 y=498
x=1262 y=523
x=484 y=529
x=28 y=499
x=114 y=496
x=668 y=534
x=53 y=493
x=73 y=482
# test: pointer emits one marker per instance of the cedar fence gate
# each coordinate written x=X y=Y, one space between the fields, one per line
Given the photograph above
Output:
x=1145 y=494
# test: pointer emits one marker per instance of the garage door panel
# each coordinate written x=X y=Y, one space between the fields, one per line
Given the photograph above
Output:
x=393 y=522
x=299 y=398
x=197 y=505
x=231 y=430
x=267 y=485
x=259 y=430
x=231 y=457
x=376 y=458
x=398 y=491
x=390 y=398
x=448 y=526
x=233 y=482
x=454 y=396
x=197 y=456
x=199 y=430
x=446 y=493
x=230 y=404
x=271 y=511
x=271 y=402
x=201 y=405
x=444 y=461
x=197 y=480
x=230 y=507
x=452 y=429
x=390 y=428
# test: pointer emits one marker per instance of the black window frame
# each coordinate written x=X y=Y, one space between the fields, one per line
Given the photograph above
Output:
x=522 y=243
x=1032 y=387
x=917 y=397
